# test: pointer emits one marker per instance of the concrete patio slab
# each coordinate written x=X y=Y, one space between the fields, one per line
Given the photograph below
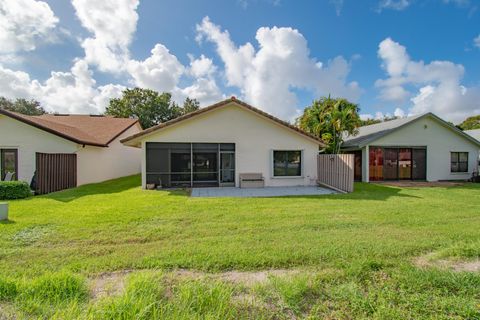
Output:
x=259 y=192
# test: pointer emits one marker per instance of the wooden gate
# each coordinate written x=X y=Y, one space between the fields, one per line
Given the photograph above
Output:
x=55 y=172
x=336 y=171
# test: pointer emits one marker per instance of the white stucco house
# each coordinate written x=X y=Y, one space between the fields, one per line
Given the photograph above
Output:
x=216 y=145
x=422 y=147
x=84 y=148
x=476 y=134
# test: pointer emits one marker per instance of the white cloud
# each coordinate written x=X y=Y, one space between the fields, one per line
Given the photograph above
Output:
x=25 y=23
x=399 y=113
x=113 y=24
x=267 y=76
x=394 y=4
x=201 y=67
x=66 y=92
x=15 y=84
x=476 y=41
x=394 y=56
x=203 y=89
x=161 y=71
x=437 y=84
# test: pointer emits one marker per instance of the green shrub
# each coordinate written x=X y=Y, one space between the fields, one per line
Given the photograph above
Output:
x=14 y=190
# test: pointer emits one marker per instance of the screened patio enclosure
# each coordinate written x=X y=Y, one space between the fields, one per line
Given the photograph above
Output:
x=190 y=164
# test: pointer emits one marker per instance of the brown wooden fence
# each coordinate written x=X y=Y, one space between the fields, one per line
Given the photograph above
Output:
x=336 y=171
x=55 y=172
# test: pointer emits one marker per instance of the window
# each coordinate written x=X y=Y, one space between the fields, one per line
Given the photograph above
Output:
x=287 y=163
x=8 y=163
x=459 y=162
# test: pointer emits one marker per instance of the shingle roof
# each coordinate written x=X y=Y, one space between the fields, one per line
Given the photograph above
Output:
x=82 y=129
x=216 y=106
x=369 y=134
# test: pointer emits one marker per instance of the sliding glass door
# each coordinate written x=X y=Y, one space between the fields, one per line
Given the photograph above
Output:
x=390 y=169
x=405 y=164
x=393 y=163
x=205 y=164
x=419 y=164
x=376 y=164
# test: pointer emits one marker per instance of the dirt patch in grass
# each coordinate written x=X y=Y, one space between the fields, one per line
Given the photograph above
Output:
x=238 y=277
x=471 y=266
x=108 y=284
x=428 y=261
x=113 y=283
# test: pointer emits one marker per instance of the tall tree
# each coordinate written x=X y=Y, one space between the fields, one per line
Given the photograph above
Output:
x=330 y=119
x=190 y=105
x=370 y=121
x=470 y=123
x=149 y=106
x=28 y=107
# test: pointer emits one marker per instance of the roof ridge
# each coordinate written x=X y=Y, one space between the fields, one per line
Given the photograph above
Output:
x=396 y=119
x=220 y=104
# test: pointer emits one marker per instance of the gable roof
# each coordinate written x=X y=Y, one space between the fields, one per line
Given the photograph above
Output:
x=219 y=105
x=90 y=130
x=474 y=133
x=369 y=134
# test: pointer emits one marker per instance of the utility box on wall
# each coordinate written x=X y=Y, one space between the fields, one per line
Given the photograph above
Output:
x=3 y=211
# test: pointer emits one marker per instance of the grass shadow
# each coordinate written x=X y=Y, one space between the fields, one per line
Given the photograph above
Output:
x=8 y=221
x=362 y=191
x=107 y=187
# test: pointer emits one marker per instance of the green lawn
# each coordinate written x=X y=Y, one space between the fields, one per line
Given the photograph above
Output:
x=352 y=255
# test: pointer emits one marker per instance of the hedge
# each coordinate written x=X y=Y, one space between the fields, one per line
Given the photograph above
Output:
x=14 y=190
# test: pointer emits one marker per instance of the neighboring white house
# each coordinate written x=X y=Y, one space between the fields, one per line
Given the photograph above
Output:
x=422 y=147
x=92 y=143
x=476 y=134
x=215 y=145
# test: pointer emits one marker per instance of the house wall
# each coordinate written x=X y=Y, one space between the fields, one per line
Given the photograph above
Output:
x=439 y=140
x=254 y=136
x=28 y=140
x=96 y=164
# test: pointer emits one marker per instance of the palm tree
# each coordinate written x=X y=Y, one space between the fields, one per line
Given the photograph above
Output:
x=330 y=119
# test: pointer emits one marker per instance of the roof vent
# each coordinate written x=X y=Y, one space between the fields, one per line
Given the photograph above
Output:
x=97 y=115
x=61 y=114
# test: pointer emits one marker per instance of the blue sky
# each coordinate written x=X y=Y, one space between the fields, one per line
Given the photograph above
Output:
x=390 y=56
